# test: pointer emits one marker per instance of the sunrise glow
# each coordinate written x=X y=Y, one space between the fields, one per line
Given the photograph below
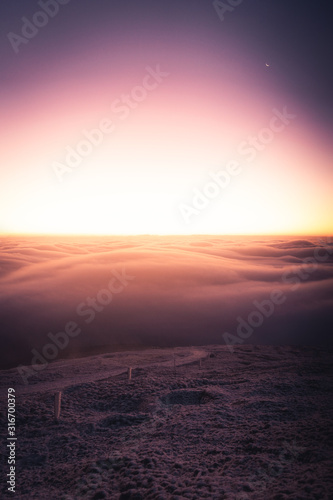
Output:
x=169 y=113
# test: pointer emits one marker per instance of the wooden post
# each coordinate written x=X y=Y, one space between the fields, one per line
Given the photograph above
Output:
x=57 y=405
x=174 y=360
x=129 y=374
x=200 y=363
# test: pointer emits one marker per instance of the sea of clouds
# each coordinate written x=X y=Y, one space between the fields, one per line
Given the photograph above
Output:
x=170 y=290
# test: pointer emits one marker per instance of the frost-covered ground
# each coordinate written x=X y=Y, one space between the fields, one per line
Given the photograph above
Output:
x=253 y=424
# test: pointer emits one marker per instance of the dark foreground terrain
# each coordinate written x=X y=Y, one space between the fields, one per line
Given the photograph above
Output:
x=253 y=424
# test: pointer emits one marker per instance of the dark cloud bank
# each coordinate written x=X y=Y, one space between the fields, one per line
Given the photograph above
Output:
x=185 y=291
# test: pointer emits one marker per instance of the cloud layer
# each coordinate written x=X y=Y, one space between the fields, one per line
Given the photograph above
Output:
x=185 y=291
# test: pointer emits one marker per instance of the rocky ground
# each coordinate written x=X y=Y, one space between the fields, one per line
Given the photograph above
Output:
x=253 y=424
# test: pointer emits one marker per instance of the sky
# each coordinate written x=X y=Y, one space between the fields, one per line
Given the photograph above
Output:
x=119 y=116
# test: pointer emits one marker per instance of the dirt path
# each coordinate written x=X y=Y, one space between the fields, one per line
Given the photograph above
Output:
x=101 y=367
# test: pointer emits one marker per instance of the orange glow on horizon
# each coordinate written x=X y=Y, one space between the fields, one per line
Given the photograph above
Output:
x=136 y=179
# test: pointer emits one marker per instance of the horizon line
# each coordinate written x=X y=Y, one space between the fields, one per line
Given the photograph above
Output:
x=164 y=234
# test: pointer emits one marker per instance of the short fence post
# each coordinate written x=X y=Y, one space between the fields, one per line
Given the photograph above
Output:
x=57 y=405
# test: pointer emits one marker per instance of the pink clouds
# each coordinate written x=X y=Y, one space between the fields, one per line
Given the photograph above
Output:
x=187 y=290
